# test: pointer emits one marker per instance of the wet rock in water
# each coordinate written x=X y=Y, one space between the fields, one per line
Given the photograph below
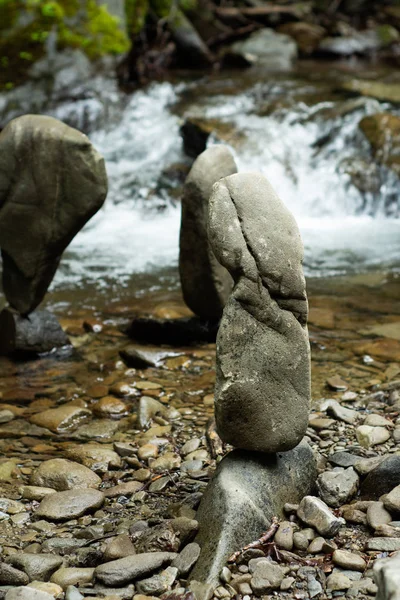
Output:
x=206 y=284
x=36 y=333
x=38 y=567
x=316 y=513
x=62 y=475
x=125 y=570
x=191 y=49
x=71 y=504
x=262 y=393
x=357 y=42
x=337 y=486
x=140 y=359
x=382 y=479
x=384 y=92
x=52 y=181
x=62 y=418
x=266 y=48
x=387 y=578
x=195 y=135
x=173 y=332
x=247 y=490
x=382 y=130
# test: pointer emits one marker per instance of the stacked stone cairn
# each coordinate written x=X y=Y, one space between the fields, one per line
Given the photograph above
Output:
x=262 y=392
x=52 y=181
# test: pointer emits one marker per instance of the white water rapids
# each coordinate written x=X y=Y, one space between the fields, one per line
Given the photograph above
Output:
x=137 y=230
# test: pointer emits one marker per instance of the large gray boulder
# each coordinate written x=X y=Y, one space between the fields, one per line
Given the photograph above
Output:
x=267 y=48
x=52 y=181
x=206 y=285
x=387 y=577
x=262 y=391
x=247 y=490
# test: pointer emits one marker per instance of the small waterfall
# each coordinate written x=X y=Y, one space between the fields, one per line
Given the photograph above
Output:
x=314 y=155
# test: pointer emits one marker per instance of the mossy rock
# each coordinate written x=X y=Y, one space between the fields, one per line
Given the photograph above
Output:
x=387 y=34
x=382 y=130
x=385 y=92
x=26 y=28
x=306 y=35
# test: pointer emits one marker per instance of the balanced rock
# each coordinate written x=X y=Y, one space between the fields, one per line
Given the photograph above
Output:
x=52 y=181
x=246 y=492
x=206 y=285
x=262 y=392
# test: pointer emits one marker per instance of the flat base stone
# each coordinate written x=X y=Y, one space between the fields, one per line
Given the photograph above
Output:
x=247 y=490
x=34 y=334
x=173 y=332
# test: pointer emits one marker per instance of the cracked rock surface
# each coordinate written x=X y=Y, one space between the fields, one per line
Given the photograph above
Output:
x=262 y=393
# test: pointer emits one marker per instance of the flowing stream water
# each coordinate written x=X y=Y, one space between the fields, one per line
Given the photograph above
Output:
x=293 y=127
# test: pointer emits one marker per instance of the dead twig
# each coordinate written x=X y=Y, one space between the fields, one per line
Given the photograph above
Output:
x=232 y=34
x=269 y=534
x=213 y=440
x=254 y=11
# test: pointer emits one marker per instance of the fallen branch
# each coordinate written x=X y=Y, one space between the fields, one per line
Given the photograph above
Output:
x=255 y=11
x=268 y=535
x=232 y=34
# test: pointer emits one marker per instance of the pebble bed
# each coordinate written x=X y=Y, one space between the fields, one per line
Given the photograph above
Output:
x=103 y=465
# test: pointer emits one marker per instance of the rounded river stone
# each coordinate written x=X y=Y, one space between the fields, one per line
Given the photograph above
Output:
x=262 y=393
x=206 y=284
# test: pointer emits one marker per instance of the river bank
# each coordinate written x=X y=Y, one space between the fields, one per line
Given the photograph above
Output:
x=154 y=459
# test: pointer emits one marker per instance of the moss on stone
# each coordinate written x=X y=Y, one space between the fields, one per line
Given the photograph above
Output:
x=26 y=24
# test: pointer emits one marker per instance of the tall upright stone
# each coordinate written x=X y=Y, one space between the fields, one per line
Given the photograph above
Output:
x=52 y=181
x=206 y=284
x=262 y=392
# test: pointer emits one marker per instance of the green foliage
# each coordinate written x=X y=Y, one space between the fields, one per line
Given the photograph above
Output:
x=25 y=26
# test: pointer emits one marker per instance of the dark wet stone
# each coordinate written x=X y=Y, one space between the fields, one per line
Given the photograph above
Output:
x=382 y=479
x=37 y=333
x=205 y=283
x=174 y=332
